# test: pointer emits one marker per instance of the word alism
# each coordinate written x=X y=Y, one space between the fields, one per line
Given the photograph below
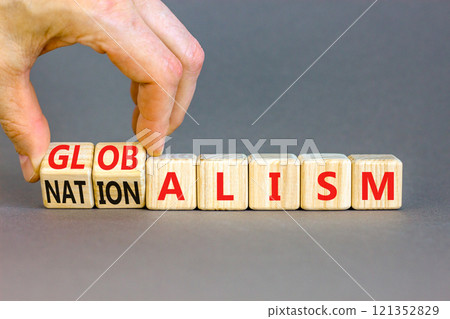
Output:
x=119 y=175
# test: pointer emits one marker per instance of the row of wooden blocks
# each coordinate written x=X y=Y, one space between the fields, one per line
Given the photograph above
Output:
x=79 y=175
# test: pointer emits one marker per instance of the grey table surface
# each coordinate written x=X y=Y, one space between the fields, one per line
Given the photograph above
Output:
x=382 y=88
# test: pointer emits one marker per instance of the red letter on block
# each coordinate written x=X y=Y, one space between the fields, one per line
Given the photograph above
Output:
x=115 y=160
x=326 y=185
x=131 y=157
x=220 y=195
x=75 y=165
x=171 y=176
x=275 y=195
x=64 y=158
x=367 y=178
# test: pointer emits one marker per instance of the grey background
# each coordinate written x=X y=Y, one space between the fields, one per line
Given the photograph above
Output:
x=383 y=88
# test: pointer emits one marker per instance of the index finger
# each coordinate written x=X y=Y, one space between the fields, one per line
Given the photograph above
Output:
x=133 y=47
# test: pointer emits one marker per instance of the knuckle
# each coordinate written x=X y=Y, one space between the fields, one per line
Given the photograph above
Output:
x=173 y=70
x=194 y=57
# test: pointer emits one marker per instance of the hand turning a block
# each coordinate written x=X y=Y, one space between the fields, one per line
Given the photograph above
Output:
x=119 y=175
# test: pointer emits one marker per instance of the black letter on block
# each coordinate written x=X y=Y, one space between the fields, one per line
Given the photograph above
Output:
x=67 y=193
x=80 y=185
x=127 y=189
x=49 y=188
x=100 y=191
x=108 y=193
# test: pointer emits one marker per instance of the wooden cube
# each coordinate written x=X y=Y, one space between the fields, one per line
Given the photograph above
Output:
x=376 y=181
x=222 y=182
x=325 y=181
x=66 y=175
x=274 y=181
x=119 y=175
x=171 y=182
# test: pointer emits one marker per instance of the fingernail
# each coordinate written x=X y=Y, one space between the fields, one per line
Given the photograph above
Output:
x=157 y=148
x=156 y=151
x=28 y=171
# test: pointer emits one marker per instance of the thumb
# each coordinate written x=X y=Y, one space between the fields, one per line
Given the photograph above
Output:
x=23 y=122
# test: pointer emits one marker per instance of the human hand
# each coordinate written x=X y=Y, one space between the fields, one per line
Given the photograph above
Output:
x=141 y=37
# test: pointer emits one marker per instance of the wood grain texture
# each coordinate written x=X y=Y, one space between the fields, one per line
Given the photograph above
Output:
x=336 y=173
x=376 y=165
x=261 y=183
x=68 y=187
x=234 y=169
x=117 y=187
x=176 y=172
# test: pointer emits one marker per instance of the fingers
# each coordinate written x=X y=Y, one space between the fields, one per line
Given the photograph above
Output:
x=185 y=47
x=146 y=60
x=23 y=122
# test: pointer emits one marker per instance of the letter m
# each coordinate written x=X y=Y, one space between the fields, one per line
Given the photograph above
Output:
x=367 y=179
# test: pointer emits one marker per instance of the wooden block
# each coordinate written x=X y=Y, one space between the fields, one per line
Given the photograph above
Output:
x=274 y=181
x=325 y=182
x=171 y=182
x=119 y=175
x=222 y=182
x=376 y=181
x=66 y=175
